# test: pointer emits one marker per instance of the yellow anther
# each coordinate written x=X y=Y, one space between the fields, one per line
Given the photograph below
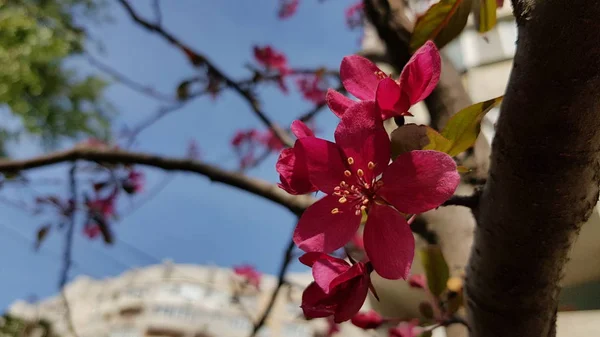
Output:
x=350 y=160
x=335 y=211
x=342 y=200
x=347 y=173
x=366 y=201
x=358 y=212
x=371 y=165
x=343 y=184
x=360 y=172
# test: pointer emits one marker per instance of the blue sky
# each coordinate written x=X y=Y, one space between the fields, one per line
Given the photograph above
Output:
x=191 y=220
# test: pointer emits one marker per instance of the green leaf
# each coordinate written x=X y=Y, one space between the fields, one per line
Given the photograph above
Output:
x=485 y=17
x=436 y=269
x=463 y=128
x=437 y=142
x=441 y=23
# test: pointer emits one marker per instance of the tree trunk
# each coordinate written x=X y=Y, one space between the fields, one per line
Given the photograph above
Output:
x=544 y=174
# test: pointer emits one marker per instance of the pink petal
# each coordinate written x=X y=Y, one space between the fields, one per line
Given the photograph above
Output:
x=315 y=303
x=319 y=230
x=337 y=102
x=387 y=96
x=418 y=181
x=355 y=298
x=293 y=172
x=389 y=242
x=324 y=162
x=324 y=271
x=300 y=130
x=359 y=76
x=422 y=73
x=362 y=137
x=356 y=270
x=308 y=259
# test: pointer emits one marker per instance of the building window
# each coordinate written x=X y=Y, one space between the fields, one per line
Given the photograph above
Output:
x=163 y=332
x=130 y=311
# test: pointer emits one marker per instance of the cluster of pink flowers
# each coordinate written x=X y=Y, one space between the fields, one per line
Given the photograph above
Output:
x=246 y=143
x=249 y=274
x=313 y=87
x=358 y=178
x=354 y=15
x=287 y=8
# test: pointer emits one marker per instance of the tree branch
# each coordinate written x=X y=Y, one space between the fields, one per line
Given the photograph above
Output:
x=469 y=201
x=200 y=60
x=68 y=250
x=296 y=204
x=287 y=259
x=544 y=174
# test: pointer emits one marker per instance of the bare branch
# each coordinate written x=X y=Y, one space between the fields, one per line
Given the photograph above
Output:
x=287 y=259
x=67 y=260
x=200 y=60
x=296 y=204
x=146 y=90
x=469 y=201
x=157 y=12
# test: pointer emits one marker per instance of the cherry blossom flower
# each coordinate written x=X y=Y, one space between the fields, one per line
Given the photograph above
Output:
x=287 y=8
x=91 y=230
x=271 y=141
x=339 y=289
x=271 y=59
x=363 y=79
x=250 y=275
x=368 y=320
x=134 y=183
x=355 y=175
x=354 y=15
x=406 y=329
x=312 y=87
x=291 y=165
x=417 y=281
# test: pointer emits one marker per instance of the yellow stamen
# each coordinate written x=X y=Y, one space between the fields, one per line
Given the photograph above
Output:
x=371 y=165
x=350 y=160
x=335 y=211
x=360 y=173
x=342 y=200
x=347 y=173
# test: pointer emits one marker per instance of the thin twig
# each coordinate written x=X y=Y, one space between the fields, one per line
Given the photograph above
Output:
x=296 y=204
x=157 y=12
x=64 y=275
x=469 y=201
x=200 y=60
x=287 y=259
x=120 y=77
x=310 y=114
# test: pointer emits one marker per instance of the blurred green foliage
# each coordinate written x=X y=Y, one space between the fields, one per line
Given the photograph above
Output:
x=11 y=326
x=51 y=99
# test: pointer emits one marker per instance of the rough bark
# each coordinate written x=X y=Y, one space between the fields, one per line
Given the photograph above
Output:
x=544 y=174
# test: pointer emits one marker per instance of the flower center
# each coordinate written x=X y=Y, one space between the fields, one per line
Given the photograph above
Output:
x=380 y=75
x=359 y=194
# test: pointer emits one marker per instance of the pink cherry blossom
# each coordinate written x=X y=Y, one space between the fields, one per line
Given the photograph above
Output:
x=363 y=79
x=313 y=88
x=287 y=8
x=271 y=59
x=355 y=175
x=134 y=183
x=368 y=320
x=339 y=289
x=417 y=281
x=406 y=329
x=291 y=165
x=354 y=15
x=250 y=275
x=91 y=230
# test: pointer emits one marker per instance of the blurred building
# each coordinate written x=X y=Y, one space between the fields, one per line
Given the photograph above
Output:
x=177 y=300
